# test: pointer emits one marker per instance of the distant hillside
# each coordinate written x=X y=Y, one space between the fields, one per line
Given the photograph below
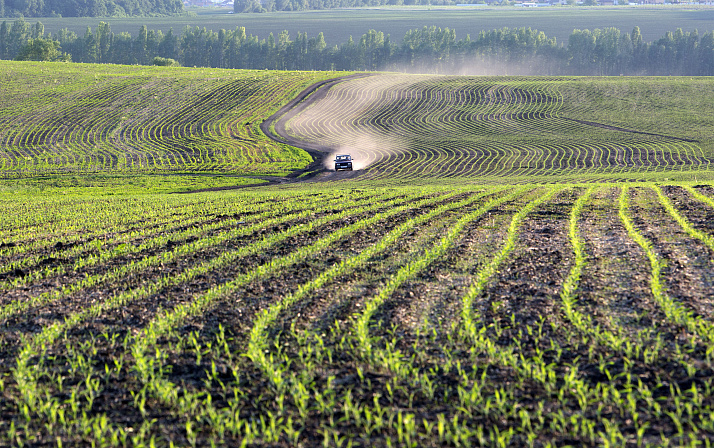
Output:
x=88 y=8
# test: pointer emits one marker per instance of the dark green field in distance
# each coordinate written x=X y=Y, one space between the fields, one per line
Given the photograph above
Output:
x=338 y=25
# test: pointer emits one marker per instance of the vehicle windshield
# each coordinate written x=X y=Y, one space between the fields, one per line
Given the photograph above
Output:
x=342 y=158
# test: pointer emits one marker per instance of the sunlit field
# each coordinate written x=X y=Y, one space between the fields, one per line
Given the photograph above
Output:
x=514 y=262
x=81 y=118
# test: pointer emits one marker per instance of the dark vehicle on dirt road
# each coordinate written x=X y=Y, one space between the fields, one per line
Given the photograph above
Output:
x=343 y=162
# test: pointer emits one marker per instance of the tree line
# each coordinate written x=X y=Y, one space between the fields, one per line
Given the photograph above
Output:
x=427 y=50
x=250 y=6
x=89 y=8
x=241 y=6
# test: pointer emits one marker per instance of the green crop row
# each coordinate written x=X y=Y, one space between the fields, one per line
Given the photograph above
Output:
x=90 y=119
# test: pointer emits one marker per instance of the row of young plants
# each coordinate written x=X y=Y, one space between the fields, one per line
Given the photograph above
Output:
x=123 y=264
x=578 y=391
x=85 y=249
x=323 y=283
x=39 y=230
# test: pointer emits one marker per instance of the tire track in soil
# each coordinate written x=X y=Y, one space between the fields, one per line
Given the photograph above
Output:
x=279 y=120
x=688 y=271
x=614 y=287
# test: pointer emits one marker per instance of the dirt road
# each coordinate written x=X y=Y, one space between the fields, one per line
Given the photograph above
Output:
x=275 y=128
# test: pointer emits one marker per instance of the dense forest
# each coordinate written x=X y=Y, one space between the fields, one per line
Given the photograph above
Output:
x=242 y=6
x=303 y=5
x=427 y=50
x=89 y=8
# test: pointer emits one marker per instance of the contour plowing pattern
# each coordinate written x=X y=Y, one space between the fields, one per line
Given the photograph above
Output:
x=84 y=118
x=416 y=127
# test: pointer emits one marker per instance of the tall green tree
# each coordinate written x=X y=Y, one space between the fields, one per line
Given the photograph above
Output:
x=4 y=40
x=40 y=49
x=89 y=53
x=371 y=47
x=38 y=30
x=18 y=35
x=104 y=38
x=169 y=45
x=705 y=54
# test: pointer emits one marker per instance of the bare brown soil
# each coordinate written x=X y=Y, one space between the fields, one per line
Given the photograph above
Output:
x=688 y=262
x=614 y=289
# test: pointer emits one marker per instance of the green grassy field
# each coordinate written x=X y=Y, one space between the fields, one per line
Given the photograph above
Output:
x=428 y=301
x=338 y=25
